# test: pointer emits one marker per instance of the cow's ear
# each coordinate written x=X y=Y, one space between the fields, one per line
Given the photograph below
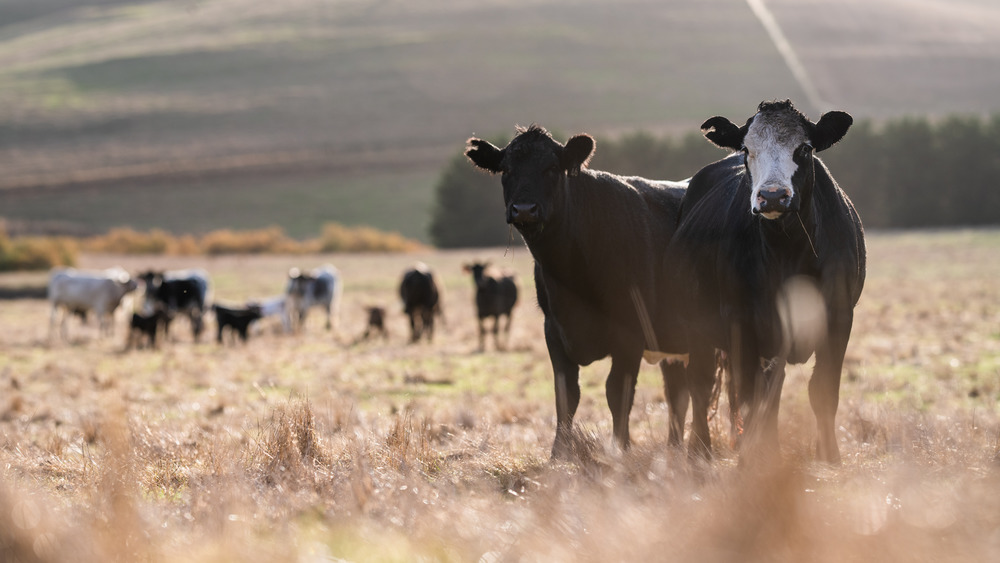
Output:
x=830 y=128
x=723 y=133
x=576 y=154
x=484 y=155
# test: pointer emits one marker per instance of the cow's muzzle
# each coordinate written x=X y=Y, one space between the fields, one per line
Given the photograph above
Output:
x=526 y=218
x=522 y=213
x=772 y=202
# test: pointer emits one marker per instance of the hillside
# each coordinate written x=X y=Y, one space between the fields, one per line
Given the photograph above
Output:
x=192 y=115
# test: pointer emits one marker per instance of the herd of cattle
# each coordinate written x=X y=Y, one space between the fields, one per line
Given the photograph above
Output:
x=185 y=293
x=754 y=262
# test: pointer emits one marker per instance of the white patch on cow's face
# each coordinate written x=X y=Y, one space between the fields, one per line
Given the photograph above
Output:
x=769 y=145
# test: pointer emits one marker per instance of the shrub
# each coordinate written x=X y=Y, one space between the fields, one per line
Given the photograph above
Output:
x=36 y=253
x=259 y=241
x=338 y=238
x=128 y=241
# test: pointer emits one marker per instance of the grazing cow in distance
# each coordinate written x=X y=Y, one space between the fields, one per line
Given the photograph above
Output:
x=76 y=292
x=321 y=288
x=770 y=262
x=495 y=297
x=596 y=239
x=236 y=319
x=144 y=327
x=421 y=301
x=178 y=292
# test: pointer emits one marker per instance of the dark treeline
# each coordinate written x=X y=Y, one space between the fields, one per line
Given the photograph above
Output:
x=905 y=173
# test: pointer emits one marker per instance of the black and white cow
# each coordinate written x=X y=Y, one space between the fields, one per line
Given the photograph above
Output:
x=319 y=288
x=597 y=241
x=178 y=292
x=769 y=262
x=496 y=295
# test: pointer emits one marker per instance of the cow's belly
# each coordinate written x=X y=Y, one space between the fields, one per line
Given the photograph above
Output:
x=587 y=335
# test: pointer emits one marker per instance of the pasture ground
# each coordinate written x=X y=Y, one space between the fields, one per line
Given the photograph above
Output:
x=315 y=448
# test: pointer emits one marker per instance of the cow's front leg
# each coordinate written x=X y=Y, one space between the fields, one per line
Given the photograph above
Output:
x=567 y=387
x=701 y=376
x=824 y=391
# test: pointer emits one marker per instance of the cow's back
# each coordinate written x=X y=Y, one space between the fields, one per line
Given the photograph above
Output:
x=81 y=290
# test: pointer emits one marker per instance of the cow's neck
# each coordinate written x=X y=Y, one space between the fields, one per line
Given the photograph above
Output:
x=789 y=243
x=559 y=248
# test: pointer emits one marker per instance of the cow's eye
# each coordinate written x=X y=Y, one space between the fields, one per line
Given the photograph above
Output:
x=802 y=153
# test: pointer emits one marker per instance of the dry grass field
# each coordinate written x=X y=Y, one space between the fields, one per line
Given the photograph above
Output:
x=316 y=448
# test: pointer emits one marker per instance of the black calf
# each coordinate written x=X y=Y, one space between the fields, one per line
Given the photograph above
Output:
x=237 y=319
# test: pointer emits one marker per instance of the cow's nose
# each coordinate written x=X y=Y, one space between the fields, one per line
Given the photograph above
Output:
x=773 y=200
x=522 y=213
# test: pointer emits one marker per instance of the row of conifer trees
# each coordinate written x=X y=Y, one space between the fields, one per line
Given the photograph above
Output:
x=903 y=173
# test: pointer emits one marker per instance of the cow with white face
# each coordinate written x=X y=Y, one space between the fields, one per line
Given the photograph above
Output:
x=769 y=262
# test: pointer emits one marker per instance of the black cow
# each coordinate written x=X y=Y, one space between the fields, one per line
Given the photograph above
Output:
x=236 y=319
x=144 y=328
x=182 y=291
x=495 y=297
x=597 y=240
x=770 y=262
x=421 y=301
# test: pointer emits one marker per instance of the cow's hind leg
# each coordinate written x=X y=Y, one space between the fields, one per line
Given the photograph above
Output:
x=620 y=391
x=506 y=331
x=414 y=329
x=53 y=317
x=675 y=389
x=701 y=377
x=496 y=333
x=428 y=315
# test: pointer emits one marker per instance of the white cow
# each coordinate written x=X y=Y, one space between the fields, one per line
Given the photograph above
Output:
x=319 y=288
x=76 y=291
